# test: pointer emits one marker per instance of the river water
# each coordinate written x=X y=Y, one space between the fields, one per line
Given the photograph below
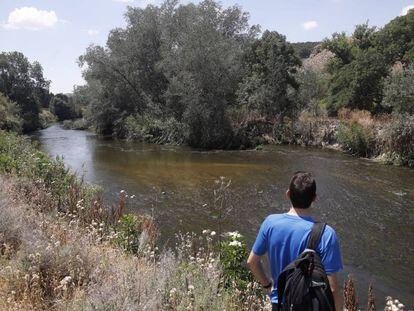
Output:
x=371 y=206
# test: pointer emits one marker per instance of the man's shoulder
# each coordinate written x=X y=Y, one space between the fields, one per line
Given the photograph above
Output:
x=273 y=218
x=329 y=236
x=329 y=231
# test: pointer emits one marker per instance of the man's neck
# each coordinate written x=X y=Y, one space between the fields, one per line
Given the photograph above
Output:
x=300 y=211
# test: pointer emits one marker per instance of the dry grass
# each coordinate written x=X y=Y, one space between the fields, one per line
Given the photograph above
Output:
x=57 y=261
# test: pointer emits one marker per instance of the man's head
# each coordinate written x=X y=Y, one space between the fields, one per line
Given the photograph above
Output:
x=302 y=190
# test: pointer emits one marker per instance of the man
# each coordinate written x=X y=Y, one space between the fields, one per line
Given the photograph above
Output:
x=284 y=236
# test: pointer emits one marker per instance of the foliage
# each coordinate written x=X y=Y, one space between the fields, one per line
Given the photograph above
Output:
x=356 y=139
x=23 y=83
x=271 y=64
x=46 y=118
x=77 y=124
x=304 y=49
x=128 y=234
x=62 y=106
x=233 y=254
x=396 y=39
x=398 y=139
x=313 y=88
x=172 y=61
x=357 y=71
x=151 y=130
x=9 y=115
x=399 y=91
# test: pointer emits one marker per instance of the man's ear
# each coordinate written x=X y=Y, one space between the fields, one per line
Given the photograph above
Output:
x=288 y=194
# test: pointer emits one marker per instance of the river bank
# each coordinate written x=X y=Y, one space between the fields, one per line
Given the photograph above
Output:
x=63 y=248
x=386 y=139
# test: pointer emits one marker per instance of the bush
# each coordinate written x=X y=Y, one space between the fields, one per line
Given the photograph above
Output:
x=46 y=118
x=233 y=254
x=356 y=139
x=63 y=107
x=151 y=130
x=78 y=124
x=398 y=139
x=399 y=91
x=9 y=115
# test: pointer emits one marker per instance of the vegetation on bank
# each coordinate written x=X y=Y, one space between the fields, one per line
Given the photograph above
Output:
x=201 y=75
x=62 y=248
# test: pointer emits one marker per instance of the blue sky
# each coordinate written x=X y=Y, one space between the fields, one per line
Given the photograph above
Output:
x=56 y=32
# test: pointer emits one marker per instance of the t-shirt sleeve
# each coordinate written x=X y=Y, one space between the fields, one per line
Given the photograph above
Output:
x=331 y=254
x=260 y=245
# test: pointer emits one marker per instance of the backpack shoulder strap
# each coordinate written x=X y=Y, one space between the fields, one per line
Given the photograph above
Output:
x=315 y=235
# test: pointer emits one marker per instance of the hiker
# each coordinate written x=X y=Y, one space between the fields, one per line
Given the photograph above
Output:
x=308 y=251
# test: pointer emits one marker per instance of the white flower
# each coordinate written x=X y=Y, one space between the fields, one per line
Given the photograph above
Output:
x=190 y=287
x=235 y=243
x=122 y=191
x=213 y=233
x=206 y=231
x=66 y=280
x=235 y=235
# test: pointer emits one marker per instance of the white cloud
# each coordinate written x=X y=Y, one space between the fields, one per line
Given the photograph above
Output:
x=406 y=9
x=31 y=18
x=310 y=25
x=124 y=1
x=93 y=32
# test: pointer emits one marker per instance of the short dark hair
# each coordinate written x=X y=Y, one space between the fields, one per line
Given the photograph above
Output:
x=302 y=189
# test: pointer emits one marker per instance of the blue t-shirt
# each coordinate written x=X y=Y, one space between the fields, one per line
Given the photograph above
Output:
x=283 y=237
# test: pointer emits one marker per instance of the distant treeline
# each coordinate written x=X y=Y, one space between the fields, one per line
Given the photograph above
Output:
x=304 y=49
x=26 y=104
x=200 y=74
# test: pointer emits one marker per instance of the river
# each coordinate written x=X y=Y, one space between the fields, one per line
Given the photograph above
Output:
x=370 y=205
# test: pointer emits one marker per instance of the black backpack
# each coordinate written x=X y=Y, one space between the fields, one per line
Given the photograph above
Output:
x=303 y=285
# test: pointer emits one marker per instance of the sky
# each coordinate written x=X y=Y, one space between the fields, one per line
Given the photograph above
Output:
x=57 y=32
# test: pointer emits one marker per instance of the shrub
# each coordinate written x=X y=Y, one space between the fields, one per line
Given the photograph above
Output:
x=46 y=118
x=233 y=254
x=151 y=130
x=356 y=139
x=78 y=124
x=398 y=139
x=9 y=115
x=399 y=91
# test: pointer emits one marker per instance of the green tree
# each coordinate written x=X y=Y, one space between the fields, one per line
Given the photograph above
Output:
x=24 y=84
x=396 y=39
x=399 y=91
x=61 y=105
x=9 y=115
x=271 y=65
x=357 y=71
x=202 y=62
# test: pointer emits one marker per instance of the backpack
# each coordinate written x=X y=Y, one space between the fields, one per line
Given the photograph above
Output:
x=303 y=285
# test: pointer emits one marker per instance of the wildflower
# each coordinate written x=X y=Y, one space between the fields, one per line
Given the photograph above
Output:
x=213 y=233
x=235 y=235
x=66 y=280
x=206 y=231
x=133 y=196
x=122 y=192
x=190 y=288
x=235 y=243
